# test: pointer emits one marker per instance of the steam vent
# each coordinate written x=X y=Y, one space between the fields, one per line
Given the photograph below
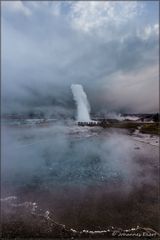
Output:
x=83 y=108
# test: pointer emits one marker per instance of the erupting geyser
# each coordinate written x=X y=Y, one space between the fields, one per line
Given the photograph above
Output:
x=83 y=107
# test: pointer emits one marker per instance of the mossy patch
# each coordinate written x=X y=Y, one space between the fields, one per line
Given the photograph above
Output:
x=151 y=128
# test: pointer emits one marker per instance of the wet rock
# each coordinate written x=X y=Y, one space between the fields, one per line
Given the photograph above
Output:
x=27 y=220
x=137 y=148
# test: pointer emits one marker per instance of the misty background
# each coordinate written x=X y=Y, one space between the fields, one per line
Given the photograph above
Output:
x=111 y=48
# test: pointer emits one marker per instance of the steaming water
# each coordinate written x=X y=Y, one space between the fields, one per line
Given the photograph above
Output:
x=88 y=177
x=83 y=107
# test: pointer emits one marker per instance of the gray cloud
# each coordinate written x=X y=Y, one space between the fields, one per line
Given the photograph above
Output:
x=43 y=54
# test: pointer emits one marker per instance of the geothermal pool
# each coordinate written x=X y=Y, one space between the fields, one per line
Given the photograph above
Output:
x=84 y=178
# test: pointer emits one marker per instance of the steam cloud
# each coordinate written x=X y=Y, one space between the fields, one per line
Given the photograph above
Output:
x=100 y=167
x=83 y=107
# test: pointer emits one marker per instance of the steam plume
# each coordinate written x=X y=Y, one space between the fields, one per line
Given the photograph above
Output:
x=83 y=107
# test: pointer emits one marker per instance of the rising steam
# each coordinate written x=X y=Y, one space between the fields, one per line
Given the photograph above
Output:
x=83 y=107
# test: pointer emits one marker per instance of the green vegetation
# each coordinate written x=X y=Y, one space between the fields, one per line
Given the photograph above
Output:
x=151 y=128
x=128 y=125
x=131 y=126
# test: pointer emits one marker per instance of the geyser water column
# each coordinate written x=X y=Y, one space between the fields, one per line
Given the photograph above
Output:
x=83 y=107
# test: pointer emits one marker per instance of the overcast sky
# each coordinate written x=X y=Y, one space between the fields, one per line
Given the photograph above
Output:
x=111 y=48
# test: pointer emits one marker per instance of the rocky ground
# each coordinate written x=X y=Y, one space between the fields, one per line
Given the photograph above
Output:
x=27 y=220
